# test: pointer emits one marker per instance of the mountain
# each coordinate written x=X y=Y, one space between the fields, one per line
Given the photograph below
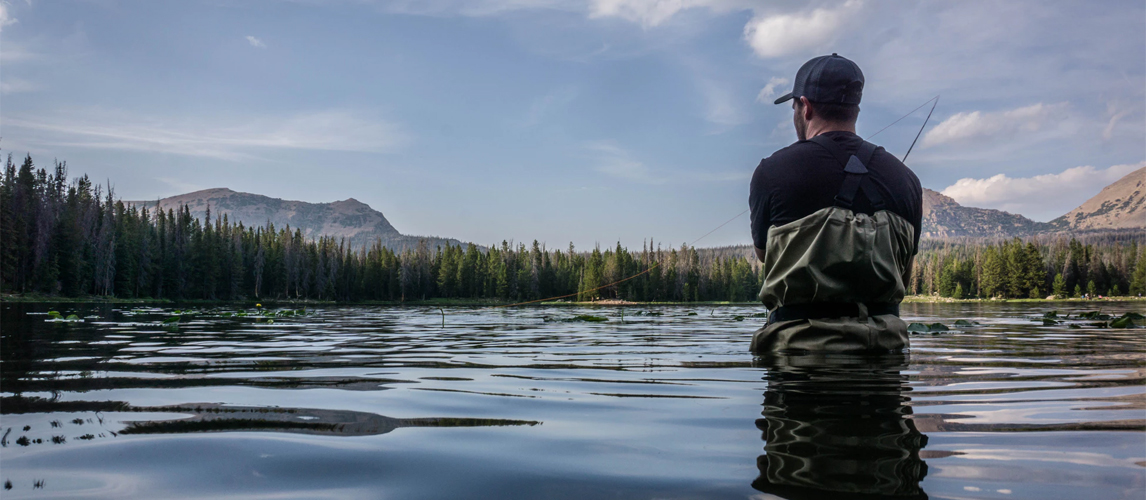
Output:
x=1120 y=205
x=943 y=217
x=350 y=219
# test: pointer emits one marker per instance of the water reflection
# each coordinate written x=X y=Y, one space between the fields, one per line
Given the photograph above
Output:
x=839 y=427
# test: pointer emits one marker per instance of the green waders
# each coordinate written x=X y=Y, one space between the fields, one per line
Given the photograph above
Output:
x=833 y=280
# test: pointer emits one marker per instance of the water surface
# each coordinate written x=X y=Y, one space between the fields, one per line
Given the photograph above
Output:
x=386 y=402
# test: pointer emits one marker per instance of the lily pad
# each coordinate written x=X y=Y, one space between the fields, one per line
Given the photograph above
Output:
x=1124 y=322
x=963 y=323
x=55 y=315
x=1093 y=315
x=738 y=318
x=1050 y=314
x=927 y=328
x=588 y=317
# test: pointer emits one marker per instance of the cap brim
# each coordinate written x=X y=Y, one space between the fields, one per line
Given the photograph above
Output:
x=784 y=98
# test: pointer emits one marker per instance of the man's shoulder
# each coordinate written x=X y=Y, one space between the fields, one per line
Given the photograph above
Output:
x=792 y=152
x=888 y=162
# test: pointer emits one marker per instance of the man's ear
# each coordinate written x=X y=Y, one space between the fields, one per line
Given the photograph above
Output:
x=807 y=108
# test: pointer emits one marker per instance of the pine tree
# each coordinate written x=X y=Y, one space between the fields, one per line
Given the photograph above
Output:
x=1059 y=286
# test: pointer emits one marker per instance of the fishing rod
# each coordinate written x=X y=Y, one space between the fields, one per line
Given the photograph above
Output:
x=934 y=101
x=936 y=98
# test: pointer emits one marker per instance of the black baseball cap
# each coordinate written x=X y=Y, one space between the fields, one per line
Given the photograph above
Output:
x=832 y=79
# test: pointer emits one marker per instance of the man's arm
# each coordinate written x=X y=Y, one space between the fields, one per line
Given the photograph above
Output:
x=758 y=203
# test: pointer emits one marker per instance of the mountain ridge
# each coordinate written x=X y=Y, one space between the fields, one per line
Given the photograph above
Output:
x=1120 y=205
x=353 y=220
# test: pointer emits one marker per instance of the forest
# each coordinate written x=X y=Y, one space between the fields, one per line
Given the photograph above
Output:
x=71 y=238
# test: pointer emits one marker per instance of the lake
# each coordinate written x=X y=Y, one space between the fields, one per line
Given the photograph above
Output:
x=533 y=402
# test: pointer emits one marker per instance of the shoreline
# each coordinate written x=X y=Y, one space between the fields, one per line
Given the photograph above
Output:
x=911 y=299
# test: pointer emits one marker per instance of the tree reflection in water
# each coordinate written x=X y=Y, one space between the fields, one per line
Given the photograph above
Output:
x=838 y=427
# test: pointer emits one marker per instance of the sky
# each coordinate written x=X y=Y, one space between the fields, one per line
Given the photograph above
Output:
x=583 y=121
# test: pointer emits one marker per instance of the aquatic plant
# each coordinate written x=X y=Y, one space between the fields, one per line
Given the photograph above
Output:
x=579 y=317
x=1125 y=321
x=927 y=328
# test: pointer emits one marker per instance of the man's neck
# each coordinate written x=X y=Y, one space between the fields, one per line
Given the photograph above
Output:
x=815 y=129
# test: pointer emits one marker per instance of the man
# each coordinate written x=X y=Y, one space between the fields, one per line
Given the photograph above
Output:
x=836 y=222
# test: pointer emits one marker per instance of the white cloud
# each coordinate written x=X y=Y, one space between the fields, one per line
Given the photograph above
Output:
x=1108 y=132
x=977 y=124
x=6 y=18
x=16 y=85
x=332 y=130
x=769 y=90
x=617 y=162
x=646 y=12
x=785 y=34
x=1042 y=196
x=255 y=42
x=549 y=103
x=721 y=106
x=476 y=8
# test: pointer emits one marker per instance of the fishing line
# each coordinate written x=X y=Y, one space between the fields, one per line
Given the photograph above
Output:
x=921 y=129
x=936 y=99
x=933 y=100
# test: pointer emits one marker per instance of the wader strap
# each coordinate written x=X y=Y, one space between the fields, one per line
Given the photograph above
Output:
x=855 y=172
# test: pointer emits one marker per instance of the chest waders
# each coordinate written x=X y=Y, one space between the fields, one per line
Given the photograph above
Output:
x=833 y=280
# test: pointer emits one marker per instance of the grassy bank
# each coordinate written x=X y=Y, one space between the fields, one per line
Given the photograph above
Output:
x=442 y=302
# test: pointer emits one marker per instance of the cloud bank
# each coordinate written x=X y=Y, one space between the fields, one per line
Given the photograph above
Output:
x=784 y=34
x=331 y=130
x=1041 y=197
x=966 y=126
x=769 y=91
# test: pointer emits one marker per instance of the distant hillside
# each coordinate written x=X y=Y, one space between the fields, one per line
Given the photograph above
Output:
x=350 y=218
x=943 y=217
x=1120 y=205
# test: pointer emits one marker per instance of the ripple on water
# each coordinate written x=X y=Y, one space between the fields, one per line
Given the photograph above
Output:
x=523 y=403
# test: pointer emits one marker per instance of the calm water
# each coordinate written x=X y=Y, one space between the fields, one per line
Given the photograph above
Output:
x=377 y=402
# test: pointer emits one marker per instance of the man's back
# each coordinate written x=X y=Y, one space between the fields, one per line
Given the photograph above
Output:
x=835 y=221
x=805 y=177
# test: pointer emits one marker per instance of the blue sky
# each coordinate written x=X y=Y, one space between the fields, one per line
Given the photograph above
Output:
x=564 y=120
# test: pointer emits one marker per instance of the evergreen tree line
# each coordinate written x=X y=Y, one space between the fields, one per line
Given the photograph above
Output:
x=75 y=239
x=1035 y=267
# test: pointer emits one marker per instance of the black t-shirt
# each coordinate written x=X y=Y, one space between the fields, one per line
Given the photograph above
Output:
x=802 y=178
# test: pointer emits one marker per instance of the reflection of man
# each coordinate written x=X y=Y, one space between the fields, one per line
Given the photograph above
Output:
x=836 y=221
x=839 y=426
